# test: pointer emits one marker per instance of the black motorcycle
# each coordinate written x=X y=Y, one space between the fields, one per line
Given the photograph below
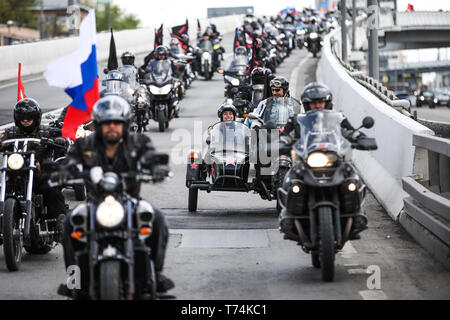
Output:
x=112 y=227
x=313 y=43
x=322 y=194
x=272 y=163
x=163 y=89
x=141 y=110
x=235 y=75
x=24 y=221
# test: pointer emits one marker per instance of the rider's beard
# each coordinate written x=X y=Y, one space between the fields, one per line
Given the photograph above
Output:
x=111 y=137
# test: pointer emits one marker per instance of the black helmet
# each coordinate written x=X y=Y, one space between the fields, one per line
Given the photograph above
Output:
x=127 y=58
x=27 y=108
x=280 y=82
x=241 y=50
x=316 y=91
x=226 y=107
x=111 y=107
x=258 y=75
x=161 y=51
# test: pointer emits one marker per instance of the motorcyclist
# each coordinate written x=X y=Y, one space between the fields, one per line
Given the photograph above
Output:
x=113 y=148
x=280 y=89
x=175 y=47
x=27 y=120
x=317 y=96
x=226 y=113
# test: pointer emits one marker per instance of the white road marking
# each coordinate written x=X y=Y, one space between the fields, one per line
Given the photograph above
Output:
x=294 y=76
x=14 y=83
x=214 y=238
x=373 y=295
x=357 y=271
x=347 y=251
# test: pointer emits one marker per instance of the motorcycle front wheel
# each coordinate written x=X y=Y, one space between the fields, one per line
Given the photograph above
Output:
x=327 y=249
x=110 y=281
x=161 y=120
x=12 y=237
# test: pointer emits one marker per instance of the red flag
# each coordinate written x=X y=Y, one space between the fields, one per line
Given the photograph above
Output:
x=20 y=89
x=410 y=7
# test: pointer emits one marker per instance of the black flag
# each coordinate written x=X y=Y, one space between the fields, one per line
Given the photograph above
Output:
x=159 y=36
x=178 y=31
x=112 y=60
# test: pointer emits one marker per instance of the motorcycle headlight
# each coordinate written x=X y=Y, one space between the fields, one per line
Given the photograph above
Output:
x=110 y=212
x=15 y=161
x=163 y=90
x=320 y=160
x=206 y=55
x=435 y=100
x=422 y=98
x=313 y=35
x=235 y=82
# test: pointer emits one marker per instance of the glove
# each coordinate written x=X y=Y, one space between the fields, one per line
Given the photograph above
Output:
x=61 y=141
x=45 y=141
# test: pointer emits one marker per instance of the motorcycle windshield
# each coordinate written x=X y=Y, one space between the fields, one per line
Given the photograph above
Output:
x=205 y=45
x=129 y=75
x=278 y=110
x=160 y=70
x=320 y=130
x=118 y=87
x=238 y=64
x=230 y=136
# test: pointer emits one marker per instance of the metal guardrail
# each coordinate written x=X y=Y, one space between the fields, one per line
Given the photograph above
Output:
x=374 y=86
x=429 y=201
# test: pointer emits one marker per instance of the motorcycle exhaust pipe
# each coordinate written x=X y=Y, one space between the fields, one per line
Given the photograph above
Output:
x=305 y=241
x=347 y=230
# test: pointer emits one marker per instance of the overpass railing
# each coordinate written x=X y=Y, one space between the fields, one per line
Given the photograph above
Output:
x=427 y=210
x=374 y=86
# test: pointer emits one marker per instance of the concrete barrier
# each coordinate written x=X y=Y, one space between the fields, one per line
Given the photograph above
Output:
x=383 y=169
x=35 y=56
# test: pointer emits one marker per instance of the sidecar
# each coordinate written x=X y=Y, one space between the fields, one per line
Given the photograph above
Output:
x=225 y=166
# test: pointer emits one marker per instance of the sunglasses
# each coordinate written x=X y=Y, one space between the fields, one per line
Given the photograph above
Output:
x=276 y=89
x=115 y=122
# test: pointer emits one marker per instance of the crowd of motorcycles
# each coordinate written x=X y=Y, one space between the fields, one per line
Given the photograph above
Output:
x=317 y=203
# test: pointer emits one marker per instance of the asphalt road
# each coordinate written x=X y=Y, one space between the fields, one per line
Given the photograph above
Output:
x=231 y=248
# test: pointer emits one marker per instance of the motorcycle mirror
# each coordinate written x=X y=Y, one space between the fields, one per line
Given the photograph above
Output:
x=105 y=71
x=368 y=122
x=96 y=174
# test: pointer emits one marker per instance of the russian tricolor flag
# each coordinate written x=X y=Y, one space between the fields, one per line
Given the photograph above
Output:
x=77 y=74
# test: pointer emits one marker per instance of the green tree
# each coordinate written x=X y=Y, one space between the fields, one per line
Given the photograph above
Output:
x=18 y=11
x=119 y=19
